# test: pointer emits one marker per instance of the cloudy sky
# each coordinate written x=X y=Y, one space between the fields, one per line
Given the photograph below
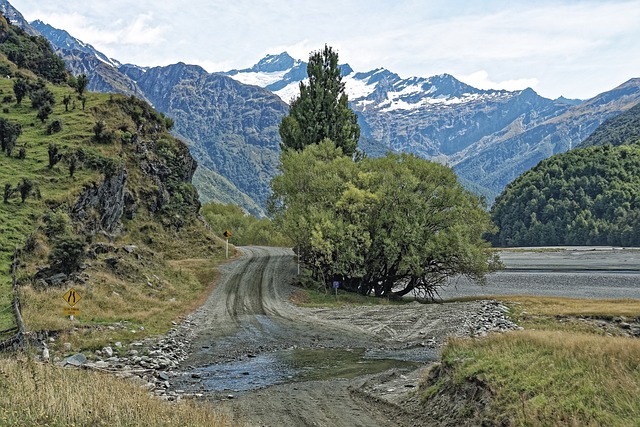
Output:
x=574 y=48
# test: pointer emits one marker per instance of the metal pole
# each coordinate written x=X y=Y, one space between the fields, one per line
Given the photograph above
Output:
x=226 y=248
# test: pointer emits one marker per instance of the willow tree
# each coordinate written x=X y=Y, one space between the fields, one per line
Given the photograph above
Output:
x=321 y=111
x=386 y=226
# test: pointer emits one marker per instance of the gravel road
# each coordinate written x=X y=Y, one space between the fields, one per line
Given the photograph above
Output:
x=248 y=327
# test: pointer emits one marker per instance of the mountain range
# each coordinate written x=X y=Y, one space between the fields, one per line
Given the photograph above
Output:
x=230 y=119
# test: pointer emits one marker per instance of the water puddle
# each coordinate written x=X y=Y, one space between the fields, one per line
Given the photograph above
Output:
x=287 y=366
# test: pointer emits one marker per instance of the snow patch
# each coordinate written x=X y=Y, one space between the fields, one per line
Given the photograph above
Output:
x=259 y=79
x=357 y=89
x=290 y=91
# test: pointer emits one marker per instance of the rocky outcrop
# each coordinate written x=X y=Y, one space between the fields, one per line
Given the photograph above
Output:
x=100 y=207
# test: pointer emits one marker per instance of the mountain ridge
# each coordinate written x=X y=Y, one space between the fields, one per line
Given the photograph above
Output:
x=489 y=137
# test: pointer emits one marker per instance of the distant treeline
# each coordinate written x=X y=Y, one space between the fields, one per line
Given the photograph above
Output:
x=587 y=196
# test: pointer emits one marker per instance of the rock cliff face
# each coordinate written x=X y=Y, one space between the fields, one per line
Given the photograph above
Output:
x=101 y=207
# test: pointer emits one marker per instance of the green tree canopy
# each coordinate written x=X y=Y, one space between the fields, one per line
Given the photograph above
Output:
x=385 y=226
x=321 y=110
x=587 y=196
x=246 y=229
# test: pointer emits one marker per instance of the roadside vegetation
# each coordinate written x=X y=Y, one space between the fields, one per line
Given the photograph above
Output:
x=246 y=229
x=561 y=370
x=35 y=394
x=310 y=293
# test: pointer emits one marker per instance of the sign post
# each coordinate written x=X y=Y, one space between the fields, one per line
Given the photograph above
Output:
x=336 y=285
x=71 y=297
x=226 y=235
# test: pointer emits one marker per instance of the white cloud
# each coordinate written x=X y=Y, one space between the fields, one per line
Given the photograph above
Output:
x=480 y=79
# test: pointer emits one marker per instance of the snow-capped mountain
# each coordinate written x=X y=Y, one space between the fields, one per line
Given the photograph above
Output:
x=63 y=40
x=378 y=89
x=488 y=136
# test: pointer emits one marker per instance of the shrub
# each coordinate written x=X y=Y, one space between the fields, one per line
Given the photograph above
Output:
x=103 y=134
x=54 y=127
x=67 y=255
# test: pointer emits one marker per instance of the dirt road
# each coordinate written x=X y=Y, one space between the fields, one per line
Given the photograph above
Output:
x=253 y=348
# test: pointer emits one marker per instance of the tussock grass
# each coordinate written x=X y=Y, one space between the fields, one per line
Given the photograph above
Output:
x=571 y=314
x=32 y=394
x=146 y=307
x=557 y=306
x=554 y=378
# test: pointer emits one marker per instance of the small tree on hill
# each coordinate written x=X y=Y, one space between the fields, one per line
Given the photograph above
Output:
x=72 y=160
x=9 y=133
x=44 y=112
x=8 y=192
x=68 y=255
x=66 y=100
x=54 y=155
x=25 y=187
x=41 y=97
x=20 y=89
x=82 y=81
x=321 y=111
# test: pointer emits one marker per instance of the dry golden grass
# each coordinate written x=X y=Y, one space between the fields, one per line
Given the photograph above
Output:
x=32 y=394
x=147 y=307
x=557 y=306
x=554 y=378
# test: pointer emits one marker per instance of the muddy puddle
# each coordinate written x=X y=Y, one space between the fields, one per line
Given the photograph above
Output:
x=288 y=366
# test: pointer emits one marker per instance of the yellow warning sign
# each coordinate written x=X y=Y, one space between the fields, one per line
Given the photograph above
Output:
x=71 y=311
x=72 y=297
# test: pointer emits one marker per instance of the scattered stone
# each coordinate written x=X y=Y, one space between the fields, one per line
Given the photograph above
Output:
x=107 y=351
x=56 y=279
x=75 y=360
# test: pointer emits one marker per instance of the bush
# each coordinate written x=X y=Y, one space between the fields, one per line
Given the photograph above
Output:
x=68 y=255
x=103 y=134
x=54 y=127
x=42 y=96
x=54 y=155
x=56 y=223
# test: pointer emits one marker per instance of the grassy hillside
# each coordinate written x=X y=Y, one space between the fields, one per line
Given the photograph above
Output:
x=130 y=188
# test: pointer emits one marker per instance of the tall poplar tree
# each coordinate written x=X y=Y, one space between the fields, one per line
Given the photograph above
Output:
x=321 y=111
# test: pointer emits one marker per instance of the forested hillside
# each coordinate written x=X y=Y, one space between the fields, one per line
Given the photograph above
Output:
x=619 y=130
x=587 y=196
